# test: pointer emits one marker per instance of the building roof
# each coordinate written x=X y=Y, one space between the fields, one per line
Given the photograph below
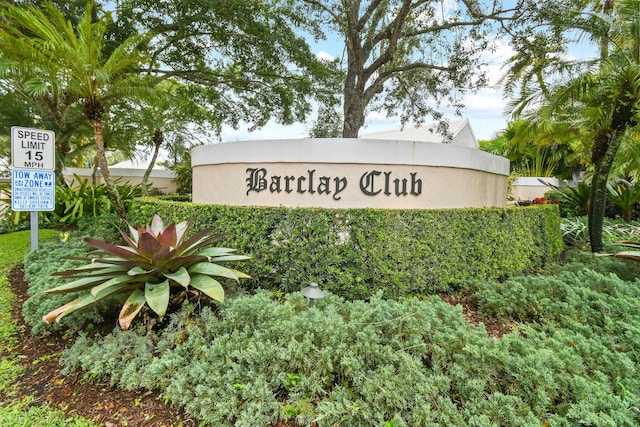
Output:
x=461 y=132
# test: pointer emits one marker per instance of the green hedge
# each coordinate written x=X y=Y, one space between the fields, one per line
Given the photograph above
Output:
x=356 y=252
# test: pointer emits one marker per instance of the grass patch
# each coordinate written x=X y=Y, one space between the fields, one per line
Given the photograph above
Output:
x=22 y=414
x=13 y=247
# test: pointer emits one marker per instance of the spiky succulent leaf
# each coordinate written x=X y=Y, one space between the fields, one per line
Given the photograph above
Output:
x=134 y=235
x=212 y=252
x=148 y=246
x=123 y=279
x=78 y=285
x=157 y=296
x=114 y=289
x=211 y=269
x=157 y=226
x=181 y=277
x=75 y=305
x=198 y=241
x=162 y=256
x=131 y=241
x=131 y=308
x=119 y=251
x=168 y=238
x=230 y=258
x=209 y=286
x=182 y=228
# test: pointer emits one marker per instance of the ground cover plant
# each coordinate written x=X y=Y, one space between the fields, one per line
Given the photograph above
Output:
x=267 y=358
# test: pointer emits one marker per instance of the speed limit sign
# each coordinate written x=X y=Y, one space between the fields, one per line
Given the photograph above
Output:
x=32 y=148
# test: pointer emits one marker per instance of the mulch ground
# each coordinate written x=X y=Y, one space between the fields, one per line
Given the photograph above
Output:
x=108 y=405
x=102 y=403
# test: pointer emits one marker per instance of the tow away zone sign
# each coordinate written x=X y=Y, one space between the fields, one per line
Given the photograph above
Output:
x=32 y=190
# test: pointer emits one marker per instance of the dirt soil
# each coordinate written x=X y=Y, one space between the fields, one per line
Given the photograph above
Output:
x=103 y=403
x=108 y=405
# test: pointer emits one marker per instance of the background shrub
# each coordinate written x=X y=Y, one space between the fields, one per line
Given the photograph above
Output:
x=358 y=252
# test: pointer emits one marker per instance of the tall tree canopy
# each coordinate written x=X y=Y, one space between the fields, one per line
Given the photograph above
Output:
x=408 y=57
x=245 y=59
x=232 y=61
x=599 y=97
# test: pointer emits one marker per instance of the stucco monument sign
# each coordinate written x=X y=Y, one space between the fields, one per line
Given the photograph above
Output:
x=348 y=173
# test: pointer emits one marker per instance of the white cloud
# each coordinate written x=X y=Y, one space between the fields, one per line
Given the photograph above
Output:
x=324 y=56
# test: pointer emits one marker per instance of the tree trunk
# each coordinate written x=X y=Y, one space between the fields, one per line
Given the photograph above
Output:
x=353 y=119
x=158 y=138
x=598 y=202
x=101 y=160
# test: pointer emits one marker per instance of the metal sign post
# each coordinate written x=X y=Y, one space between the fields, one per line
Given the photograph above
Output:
x=32 y=176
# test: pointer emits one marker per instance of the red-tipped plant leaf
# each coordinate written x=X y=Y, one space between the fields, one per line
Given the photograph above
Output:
x=133 y=242
x=81 y=284
x=148 y=245
x=183 y=227
x=134 y=234
x=168 y=237
x=157 y=226
x=121 y=251
x=162 y=256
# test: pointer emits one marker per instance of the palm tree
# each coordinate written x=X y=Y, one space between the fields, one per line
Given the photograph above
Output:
x=65 y=64
x=601 y=101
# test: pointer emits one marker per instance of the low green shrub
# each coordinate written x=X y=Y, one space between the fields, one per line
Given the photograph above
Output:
x=358 y=252
x=259 y=360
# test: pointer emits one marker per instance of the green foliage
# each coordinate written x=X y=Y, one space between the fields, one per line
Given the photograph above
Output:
x=574 y=201
x=160 y=265
x=23 y=413
x=258 y=359
x=575 y=231
x=39 y=267
x=82 y=199
x=625 y=195
x=357 y=252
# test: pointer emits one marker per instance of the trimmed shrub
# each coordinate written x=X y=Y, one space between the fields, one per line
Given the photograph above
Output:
x=357 y=252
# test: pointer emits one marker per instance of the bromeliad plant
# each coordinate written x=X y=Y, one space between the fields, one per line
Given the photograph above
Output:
x=159 y=265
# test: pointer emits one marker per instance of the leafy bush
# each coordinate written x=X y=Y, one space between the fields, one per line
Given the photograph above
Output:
x=575 y=231
x=625 y=195
x=159 y=265
x=357 y=252
x=83 y=199
x=259 y=360
x=574 y=201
